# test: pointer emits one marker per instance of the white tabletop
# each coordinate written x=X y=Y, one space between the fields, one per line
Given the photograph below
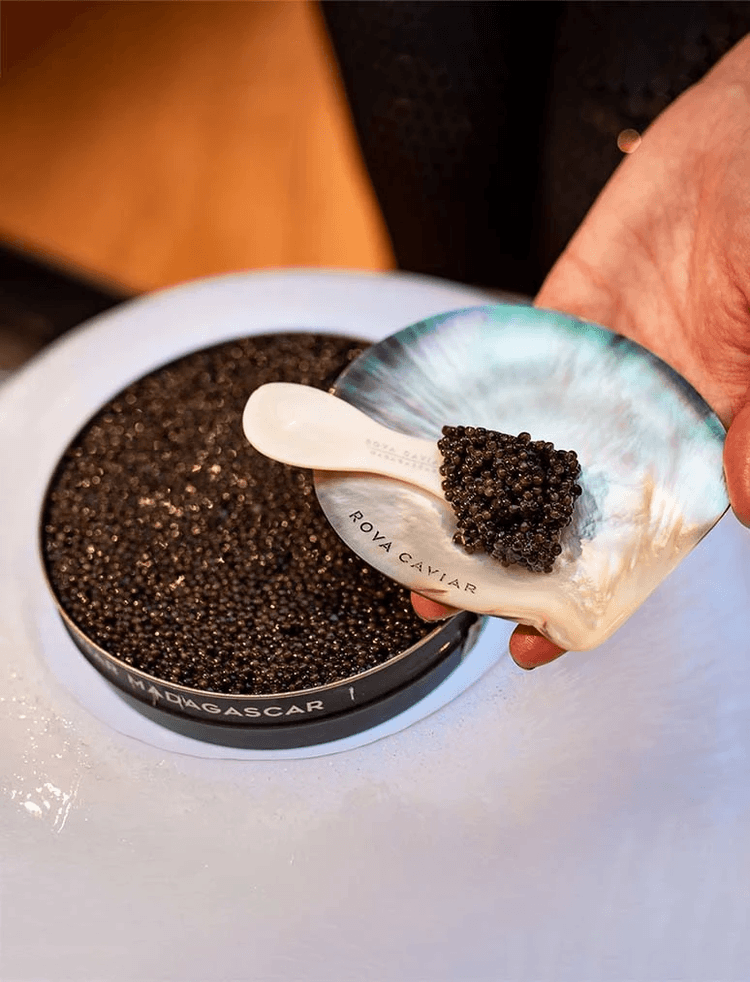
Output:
x=589 y=820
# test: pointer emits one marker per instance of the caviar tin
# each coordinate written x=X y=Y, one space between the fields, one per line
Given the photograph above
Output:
x=203 y=580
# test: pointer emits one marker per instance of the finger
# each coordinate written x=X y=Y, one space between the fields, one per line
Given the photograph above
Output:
x=737 y=464
x=529 y=649
x=430 y=610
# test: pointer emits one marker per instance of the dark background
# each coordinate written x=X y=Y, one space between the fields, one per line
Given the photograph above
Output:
x=487 y=130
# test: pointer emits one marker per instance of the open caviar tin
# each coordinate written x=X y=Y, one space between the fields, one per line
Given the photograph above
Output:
x=203 y=580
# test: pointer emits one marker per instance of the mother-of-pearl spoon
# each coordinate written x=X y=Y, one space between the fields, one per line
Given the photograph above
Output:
x=306 y=427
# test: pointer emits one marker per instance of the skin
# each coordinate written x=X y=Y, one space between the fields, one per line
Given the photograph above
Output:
x=663 y=257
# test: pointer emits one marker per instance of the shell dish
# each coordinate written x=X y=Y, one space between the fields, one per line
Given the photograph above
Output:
x=650 y=450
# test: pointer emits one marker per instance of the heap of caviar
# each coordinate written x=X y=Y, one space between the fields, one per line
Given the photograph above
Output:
x=512 y=497
x=178 y=548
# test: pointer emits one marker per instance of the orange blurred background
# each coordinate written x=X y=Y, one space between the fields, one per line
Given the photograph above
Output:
x=145 y=143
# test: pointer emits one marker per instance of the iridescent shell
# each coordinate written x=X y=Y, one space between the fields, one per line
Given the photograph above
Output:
x=650 y=450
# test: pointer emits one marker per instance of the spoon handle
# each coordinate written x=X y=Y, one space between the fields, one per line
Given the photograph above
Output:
x=306 y=427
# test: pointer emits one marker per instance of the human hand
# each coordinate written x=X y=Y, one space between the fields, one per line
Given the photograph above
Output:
x=663 y=257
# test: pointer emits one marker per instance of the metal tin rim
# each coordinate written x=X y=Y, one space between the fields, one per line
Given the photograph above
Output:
x=274 y=710
x=459 y=633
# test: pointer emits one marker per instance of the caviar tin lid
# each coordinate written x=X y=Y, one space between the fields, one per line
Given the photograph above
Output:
x=649 y=447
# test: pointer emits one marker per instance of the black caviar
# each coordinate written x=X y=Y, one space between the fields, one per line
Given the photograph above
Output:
x=512 y=496
x=176 y=547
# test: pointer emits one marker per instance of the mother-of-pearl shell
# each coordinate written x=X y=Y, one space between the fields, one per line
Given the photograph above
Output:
x=650 y=450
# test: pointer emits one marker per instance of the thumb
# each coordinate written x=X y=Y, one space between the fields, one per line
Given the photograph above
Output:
x=737 y=463
x=529 y=649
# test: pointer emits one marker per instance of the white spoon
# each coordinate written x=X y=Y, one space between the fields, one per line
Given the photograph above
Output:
x=306 y=427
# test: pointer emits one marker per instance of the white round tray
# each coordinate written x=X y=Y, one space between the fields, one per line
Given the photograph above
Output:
x=584 y=821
